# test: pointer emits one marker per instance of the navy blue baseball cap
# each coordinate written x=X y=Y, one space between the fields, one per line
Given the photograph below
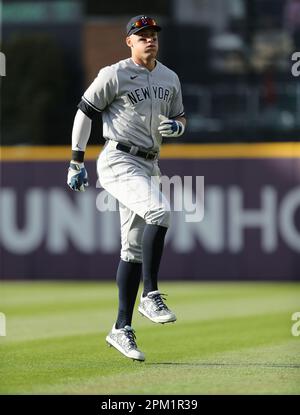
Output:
x=141 y=22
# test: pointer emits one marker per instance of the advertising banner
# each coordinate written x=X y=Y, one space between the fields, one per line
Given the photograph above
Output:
x=248 y=228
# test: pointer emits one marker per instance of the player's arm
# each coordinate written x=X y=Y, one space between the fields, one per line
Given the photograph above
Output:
x=95 y=99
x=181 y=119
x=77 y=174
x=174 y=125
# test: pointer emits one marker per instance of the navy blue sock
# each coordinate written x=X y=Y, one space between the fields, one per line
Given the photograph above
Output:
x=152 y=246
x=128 y=279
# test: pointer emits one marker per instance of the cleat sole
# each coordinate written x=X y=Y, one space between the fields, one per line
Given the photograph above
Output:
x=117 y=347
x=156 y=322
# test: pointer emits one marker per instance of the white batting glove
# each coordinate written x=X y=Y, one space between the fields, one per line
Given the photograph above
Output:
x=77 y=176
x=170 y=128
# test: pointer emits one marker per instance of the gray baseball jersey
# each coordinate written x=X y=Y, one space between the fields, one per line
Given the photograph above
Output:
x=131 y=98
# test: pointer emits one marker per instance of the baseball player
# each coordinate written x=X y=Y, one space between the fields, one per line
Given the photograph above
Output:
x=141 y=102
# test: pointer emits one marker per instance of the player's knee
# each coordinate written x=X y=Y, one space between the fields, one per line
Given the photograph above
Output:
x=131 y=254
x=132 y=246
x=160 y=216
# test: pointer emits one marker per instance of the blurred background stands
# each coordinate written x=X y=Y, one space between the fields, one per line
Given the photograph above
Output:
x=233 y=58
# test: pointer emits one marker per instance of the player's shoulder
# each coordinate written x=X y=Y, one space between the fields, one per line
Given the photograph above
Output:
x=123 y=64
x=107 y=71
x=112 y=70
x=167 y=71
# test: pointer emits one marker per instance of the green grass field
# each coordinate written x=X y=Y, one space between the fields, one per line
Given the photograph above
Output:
x=230 y=338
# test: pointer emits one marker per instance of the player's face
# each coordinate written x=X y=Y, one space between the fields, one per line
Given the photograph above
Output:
x=144 y=44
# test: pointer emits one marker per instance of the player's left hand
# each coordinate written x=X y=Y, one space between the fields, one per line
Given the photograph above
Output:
x=77 y=176
x=170 y=128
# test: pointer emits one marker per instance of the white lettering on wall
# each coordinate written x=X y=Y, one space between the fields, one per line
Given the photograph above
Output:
x=263 y=218
x=287 y=225
x=183 y=236
x=70 y=221
x=52 y=217
x=27 y=239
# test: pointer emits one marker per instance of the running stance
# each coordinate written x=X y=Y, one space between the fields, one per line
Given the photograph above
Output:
x=141 y=102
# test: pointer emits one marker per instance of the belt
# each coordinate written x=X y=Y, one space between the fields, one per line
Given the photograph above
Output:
x=148 y=155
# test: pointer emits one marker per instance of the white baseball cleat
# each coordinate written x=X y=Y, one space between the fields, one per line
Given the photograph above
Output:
x=153 y=307
x=124 y=341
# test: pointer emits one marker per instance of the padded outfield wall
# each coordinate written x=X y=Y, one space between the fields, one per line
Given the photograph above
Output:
x=250 y=229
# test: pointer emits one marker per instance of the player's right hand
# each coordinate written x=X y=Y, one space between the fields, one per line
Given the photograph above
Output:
x=77 y=176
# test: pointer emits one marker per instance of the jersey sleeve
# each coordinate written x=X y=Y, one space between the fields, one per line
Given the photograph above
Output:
x=102 y=90
x=177 y=109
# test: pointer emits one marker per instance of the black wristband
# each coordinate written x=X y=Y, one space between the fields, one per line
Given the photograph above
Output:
x=78 y=156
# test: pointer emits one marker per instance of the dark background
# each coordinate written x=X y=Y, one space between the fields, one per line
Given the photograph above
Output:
x=233 y=58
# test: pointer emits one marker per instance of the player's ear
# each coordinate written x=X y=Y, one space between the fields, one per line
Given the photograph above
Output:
x=129 y=41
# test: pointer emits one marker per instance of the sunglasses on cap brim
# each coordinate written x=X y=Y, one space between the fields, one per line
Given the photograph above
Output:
x=143 y=22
